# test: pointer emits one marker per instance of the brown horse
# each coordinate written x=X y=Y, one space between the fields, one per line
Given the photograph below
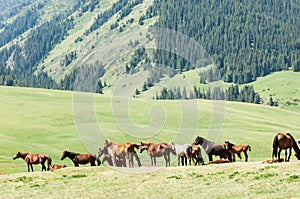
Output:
x=108 y=157
x=57 y=166
x=237 y=149
x=78 y=158
x=196 y=155
x=31 y=159
x=122 y=152
x=285 y=142
x=157 y=150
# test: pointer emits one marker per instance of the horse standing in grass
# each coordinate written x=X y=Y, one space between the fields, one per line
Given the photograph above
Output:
x=196 y=155
x=31 y=159
x=157 y=150
x=212 y=148
x=237 y=149
x=122 y=152
x=183 y=152
x=285 y=142
x=78 y=158
x=108 y=157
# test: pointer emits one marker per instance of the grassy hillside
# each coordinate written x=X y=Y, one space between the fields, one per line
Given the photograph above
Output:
x=39 y=120
x=236 y=180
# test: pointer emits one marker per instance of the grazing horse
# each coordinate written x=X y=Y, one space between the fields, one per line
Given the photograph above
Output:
x=57 y=166
x=237 y=149
x=31 y=159
x=196 y=155
x=183 y=152
x=285 y=142
x=157 y=150
x=78 y=158
x=212 y=148
x=122 y=152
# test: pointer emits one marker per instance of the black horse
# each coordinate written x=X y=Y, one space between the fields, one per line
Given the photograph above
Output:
x=212 y=148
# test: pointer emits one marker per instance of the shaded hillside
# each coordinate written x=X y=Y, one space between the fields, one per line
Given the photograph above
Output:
x=246 y=39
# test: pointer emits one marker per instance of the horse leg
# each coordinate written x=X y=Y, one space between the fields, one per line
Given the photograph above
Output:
x=178 y=160
x=246 y=156
x=290 y=153
x=239 y=155
x=28 y=166
x=31 y=167
x=137 y=159
x=279 y=151
x=43 y=167
x=210 y=158
x=185 y=158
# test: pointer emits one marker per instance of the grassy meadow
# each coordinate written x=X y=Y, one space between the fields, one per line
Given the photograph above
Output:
x=48 y=121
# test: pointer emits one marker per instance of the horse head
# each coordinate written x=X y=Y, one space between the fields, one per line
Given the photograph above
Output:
x=143 y=146
x=18 y=155
x=64 y=155
x=198 y=140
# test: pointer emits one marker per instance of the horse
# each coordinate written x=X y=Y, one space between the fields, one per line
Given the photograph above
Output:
x=157 y=150
x=237 y=149
x=196 y=155
x=57 y=166
x=183 y=152
x=108 y=157
x=122 y=151
x=220 y=161
x=78 y=158
x=285 y=142
x=212 y=148
x=31 y=159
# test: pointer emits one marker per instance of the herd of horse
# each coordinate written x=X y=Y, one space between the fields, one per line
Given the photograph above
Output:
x=116 y=154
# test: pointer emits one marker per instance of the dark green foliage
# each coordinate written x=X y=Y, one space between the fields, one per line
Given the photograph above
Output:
x=246 y=39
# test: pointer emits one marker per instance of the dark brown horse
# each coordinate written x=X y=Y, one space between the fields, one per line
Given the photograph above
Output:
x=31 y=159
x=212 y=148
x=78 y=158
x=157 y=150
x=238 y=149
x=285 y=142
x=120 y=152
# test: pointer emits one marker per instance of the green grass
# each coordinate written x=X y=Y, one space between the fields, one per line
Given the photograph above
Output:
x=235 y=180
x=282 y=86
x=50 y=122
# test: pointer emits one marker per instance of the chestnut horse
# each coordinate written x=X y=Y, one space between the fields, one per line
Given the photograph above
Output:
x=108 y=157
x=31 y=159
x=196 y=155
x=122 y=152
x=57 y=166
x=212 y=148
x=157 y=150
x=237 y=149
x=285 y=142
x=80 y=158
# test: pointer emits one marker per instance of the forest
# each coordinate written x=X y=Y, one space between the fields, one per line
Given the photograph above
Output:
x=245 y=39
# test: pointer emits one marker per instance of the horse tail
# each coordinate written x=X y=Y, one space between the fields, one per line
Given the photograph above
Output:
x=249 y=147
x=49 y=162
x=98 y=160
x=275 y=146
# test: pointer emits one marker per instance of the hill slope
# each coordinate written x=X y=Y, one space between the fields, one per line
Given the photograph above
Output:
x=50 y=122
